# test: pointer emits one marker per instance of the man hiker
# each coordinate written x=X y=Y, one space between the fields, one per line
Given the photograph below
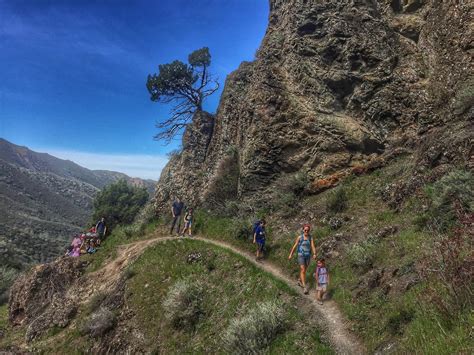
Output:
x=259 y=237
x=101 y=229
x=305 y=245
x=176 y=210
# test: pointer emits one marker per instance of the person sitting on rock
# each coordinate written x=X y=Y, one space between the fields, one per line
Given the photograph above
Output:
x=304 y=244
x=76 y=245
x=91 y=247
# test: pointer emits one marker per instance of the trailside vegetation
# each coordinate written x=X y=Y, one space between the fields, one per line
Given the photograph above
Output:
x=119 y=203
x=185 y=87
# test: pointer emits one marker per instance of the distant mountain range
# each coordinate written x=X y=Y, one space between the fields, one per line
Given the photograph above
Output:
x=44 y=200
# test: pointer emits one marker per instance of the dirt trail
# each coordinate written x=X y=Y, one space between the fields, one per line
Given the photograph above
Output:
x=331 y=319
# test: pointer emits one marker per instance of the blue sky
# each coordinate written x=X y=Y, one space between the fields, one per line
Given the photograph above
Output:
x=73 y=72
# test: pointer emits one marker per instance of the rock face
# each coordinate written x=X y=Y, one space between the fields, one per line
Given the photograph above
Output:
x=335 y=85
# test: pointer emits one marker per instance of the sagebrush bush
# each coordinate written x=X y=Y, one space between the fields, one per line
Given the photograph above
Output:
x=242 y=229
x=287 y=193
x=7 y=276
x=95 y=301
x=454 y=191
x=99 y=323
x=183 y=304
x=362 y=254
x=399 y=320
x=255 y=331
x=336 y=200
x=450 y=267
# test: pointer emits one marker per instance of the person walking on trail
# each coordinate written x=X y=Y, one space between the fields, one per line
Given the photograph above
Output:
x=259 y=237
x=176 y=210
x=304 y=244
x=188 y=222
x=322 y=280
x=101 y=229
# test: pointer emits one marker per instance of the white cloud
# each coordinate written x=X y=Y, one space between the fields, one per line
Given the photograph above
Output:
x=134 y=165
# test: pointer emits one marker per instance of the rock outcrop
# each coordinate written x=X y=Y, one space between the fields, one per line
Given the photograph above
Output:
x=335 y=86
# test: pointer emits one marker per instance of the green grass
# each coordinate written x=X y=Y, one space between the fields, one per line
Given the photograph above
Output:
x=120 y=235
x=12 y=336
x=377 y=316
x=233 y=287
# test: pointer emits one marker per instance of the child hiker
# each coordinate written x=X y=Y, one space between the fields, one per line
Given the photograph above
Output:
x=322 y=280
x=259 y=239
x=188 y=222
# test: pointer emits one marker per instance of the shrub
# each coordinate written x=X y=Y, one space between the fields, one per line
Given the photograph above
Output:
x=453 y=191
x=450 y=267
x=95 y=301
x=398 y=320
x=256 y=330
x=183 y=304
x=99 y=323
x=7 y=276
x=242 y=229
x=362 y=253
x=119 y=203
x=337 y=200
x=286 y=194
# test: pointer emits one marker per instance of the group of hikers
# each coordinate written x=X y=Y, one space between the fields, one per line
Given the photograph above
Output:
x=177 y=210
x=89 y=241
x=306 y=250
x=304 y=247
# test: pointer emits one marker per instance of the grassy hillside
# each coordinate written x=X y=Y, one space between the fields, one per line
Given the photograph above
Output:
x=185 y=296
x=398 y=255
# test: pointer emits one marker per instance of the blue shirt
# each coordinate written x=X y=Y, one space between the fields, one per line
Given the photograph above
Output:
x=177 y=208
x=322 y=273
x=260 y=233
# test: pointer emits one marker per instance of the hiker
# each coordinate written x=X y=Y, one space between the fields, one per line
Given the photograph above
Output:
x=304 y=244
x=101 y=229
x=188 y=222
x=91 y=247
x=176 y=210
x=75 y=248
x=322 y=280
x=259 y=239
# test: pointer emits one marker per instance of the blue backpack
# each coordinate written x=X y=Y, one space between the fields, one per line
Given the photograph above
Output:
x=255 y=226
x=300 y=242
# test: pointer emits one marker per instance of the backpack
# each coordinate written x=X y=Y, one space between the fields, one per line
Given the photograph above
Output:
x=255 y=226
x=300 y=242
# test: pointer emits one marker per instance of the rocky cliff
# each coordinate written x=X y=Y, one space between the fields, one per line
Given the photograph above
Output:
x=336 y=86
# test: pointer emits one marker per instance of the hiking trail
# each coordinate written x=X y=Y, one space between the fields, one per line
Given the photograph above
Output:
x=332 y=322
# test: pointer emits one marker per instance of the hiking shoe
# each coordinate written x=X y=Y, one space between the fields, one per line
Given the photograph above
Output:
x=300 y=284
x=306 y=290
x=320 y=303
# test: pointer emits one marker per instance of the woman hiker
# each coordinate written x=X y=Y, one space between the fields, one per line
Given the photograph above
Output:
x=305 y=245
